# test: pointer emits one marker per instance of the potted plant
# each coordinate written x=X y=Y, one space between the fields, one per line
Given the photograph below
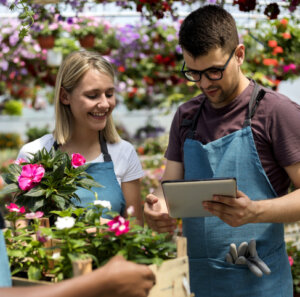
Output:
x=76 y=237
x=78 y=243
x=85 y=29
x=47 y=27
x=48 y=181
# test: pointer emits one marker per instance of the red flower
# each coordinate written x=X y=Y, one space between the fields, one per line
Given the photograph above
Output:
x=286 y=35
x=15 y=208
x=277 y=50
x=284 y=22
x=272 y=11
x=272 y=43
x=77 y=160
x=141 y=150
x=270 y=62
x=121 y=69
x=245 y=5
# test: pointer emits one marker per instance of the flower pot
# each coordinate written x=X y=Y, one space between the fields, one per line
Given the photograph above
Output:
x=46 y=42
x=172 y=277
x=87 y=41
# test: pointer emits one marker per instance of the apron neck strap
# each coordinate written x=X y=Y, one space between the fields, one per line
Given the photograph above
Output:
x=104 y=150
x=55 y=145
x=2 y=225
x=193 y=122
x=257 y=94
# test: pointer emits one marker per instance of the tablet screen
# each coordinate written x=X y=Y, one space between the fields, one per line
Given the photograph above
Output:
x=184 y=197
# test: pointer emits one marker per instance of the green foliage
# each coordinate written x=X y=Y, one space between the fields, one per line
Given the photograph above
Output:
x=272 y=51
x=85 y=238
x=56 y=190
x=13 y=107
x=36 y=132
x=294 y=252
x=10 y=141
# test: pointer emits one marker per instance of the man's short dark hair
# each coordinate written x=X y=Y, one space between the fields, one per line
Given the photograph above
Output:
x=209 y=27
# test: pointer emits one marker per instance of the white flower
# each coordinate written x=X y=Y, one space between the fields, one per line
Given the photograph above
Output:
x=130 y=210
x=64 y=223
x=55 y=256
x=103 y=203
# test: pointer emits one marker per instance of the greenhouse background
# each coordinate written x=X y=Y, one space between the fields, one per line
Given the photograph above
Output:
x=140 y=38
x=140 y=100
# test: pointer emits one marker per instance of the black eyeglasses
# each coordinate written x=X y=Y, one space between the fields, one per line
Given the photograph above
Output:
x=212 y=73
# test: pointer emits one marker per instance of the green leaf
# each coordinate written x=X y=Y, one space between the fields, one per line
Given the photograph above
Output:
x=36 y=192
x=88 y=183
x=66 y=189
x=15 y=169
x=37 y=204
x=9 y=189
x=16 y=253
x=60 y=201
x=10 y=178
x=34 y=273
x=59 y=172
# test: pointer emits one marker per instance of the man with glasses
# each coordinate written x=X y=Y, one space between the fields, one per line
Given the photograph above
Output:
x=235 y=128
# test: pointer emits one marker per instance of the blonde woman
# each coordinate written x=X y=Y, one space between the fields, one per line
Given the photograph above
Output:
x=84 y=101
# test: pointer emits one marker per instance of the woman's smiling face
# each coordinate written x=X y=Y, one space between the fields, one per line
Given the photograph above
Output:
x=92 y=101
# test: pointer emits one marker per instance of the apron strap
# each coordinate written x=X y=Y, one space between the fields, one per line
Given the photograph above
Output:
x=104 y=150
x=55 y=145
x=257 y=94
x=192 y=123
x=2 y=224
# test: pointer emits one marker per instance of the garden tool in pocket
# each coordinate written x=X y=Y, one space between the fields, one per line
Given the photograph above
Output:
x=246 y=254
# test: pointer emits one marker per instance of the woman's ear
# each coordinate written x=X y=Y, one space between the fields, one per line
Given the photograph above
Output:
x=240 y=54
x=64 y=97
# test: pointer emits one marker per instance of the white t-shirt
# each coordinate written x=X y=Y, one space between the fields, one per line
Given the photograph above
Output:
x=127 y=165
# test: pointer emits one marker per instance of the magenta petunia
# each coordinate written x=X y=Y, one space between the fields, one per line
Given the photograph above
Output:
x=12 y=207
x=118 y=225
x=77 y=160
x=291 y=260
x=30 y=176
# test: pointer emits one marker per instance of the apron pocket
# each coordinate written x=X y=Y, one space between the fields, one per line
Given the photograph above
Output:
x=216 y=278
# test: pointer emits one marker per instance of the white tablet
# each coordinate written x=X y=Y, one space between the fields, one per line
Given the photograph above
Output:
x=184 y=197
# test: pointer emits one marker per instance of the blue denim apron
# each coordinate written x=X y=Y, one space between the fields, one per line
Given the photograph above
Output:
x=233 y=155
x=104 y=174
x=5 y=278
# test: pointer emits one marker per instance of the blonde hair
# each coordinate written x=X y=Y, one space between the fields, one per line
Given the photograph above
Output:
x=69 y=75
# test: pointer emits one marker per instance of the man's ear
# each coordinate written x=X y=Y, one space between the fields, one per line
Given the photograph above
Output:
x=64 y=97
x=240 y=54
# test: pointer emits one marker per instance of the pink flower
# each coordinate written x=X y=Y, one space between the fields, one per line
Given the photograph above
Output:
x=291 y=260
x=287 y=68
x=30 y=176
x=15 y=208
x=34 y=215
x=40 y=237
x=20 y=161
x=118 y=225
x=77 y=160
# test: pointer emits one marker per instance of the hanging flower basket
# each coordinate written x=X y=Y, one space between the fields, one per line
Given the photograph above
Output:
x=87 y=41
x=46 y=42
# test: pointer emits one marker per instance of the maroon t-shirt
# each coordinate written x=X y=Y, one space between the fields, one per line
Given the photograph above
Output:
x=275 y=127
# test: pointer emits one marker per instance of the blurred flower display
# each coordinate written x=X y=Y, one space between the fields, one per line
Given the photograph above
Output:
x=273 y=51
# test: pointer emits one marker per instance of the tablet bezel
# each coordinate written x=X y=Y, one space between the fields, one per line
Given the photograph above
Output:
x=182 y=197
